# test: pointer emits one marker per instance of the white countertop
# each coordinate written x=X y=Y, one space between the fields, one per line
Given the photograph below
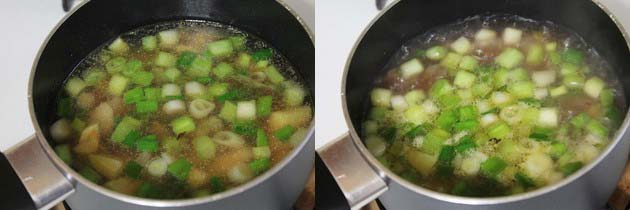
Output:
x=340 y=23
x=25 y=24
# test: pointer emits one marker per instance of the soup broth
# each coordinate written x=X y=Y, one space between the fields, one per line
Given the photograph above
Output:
x=492 y=106
x=179 y=110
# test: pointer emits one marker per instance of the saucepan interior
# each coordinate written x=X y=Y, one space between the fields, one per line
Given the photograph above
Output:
x=408 y=19
x=96 y=22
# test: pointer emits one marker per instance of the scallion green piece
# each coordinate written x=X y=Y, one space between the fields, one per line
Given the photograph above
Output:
x=247 y=128
x=123 y=128
x=63 y=151
x=262 y=54
x=182 y=125
x=152 y=94
x=260 y=165
x=131 y=138
x=493 y=166
x=263 y=106
x=261 y=138
x=570 y=168
x=185 y=59
x=524 y=180
x=180 y=169
x=147 y=143
x=146 y=106
x=133 y=96
x=464 y=144
x=446 y=119
x=92 y=175
x=217 y=184
x=222 y=70
x=133 y=169
x=284 y=133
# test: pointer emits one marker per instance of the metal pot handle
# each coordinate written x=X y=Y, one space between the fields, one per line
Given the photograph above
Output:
x=32 y=180
x=359 y=183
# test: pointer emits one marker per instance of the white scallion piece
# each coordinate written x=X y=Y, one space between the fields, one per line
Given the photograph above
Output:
x=593 y=87
x=171 y=90
x=411 y=68
x=200 y=108
x=61 y=130
x=461 y=45
x=246 y=110
x=168 y=38
x=399 y=103
x=544 y=78
x=548 y=117
x=512 y=36
x=194 y=89
x=228 y=139
x=174 y=107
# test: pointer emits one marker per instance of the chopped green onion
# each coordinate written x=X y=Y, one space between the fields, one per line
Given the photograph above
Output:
x=147 y=190
x=440 y=87
x=557 y=150
x=261 y=138
x=597 y=128
x=535 y=54
x=117 y=85
x=183 y=125
x=388 y=133
x=469 y=125
x=221 y=47
x=434 y=140
x=284 y=133
x=448 y=101
x=436 y=53
x=94 y=76
x=464 y=144
x=580 y=120
x=142 y=78
x=133 y=96
x=131 y=138
x=541 y=134
x=274 y=75
x=464 y=79
x=205 y=147
x=132 y=66
x=74 y=86
x=185 y=59
x=524 y=180
x=262 y=54
x=218 y=89
x=149 y=43
x=123 y=128
x=63 y=151
x=133 y=169
x=468 y=113
x=468 y=63
x=171 y=74
x=152 y=94
x=510 y=58
x=115 y=65
x=222 y=70
x=261 y=152
x=493 y=166
x=147 y=144
x=64 y=107
x=246 y=128
x=216 y=184
x=570 y=168
x=164 y=59
x=417 y=131
x=146 y=106
x=180 y=169
x=200 y=67
x=243 y=60
x=499 y=130
x=446 y=119
x=573 y=56
x=92 y=175
x=228 y=111
x=260 y=165
x=238 y=42
x=263 y=106
x=451 y=61
x=204 y=80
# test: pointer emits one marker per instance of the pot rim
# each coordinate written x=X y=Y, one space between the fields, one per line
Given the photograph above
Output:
x=74 y=177
x=388 y=175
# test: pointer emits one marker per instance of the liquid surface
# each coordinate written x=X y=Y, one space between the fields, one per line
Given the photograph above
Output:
x=179 y=110
x=492 y=106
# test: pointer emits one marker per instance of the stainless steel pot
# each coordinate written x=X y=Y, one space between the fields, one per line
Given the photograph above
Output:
x=362 y=178
x=32 y=176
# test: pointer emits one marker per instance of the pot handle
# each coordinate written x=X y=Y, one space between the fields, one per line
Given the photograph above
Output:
x=29 y=179
x=359 y=183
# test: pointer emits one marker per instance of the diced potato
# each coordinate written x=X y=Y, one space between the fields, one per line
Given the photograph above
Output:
x=90 y=138
x=296 y=117
x=421 y=161
x=103 y=115
x=124 y=185
x=107 y=166
x=197 y=178
x=536 y=165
